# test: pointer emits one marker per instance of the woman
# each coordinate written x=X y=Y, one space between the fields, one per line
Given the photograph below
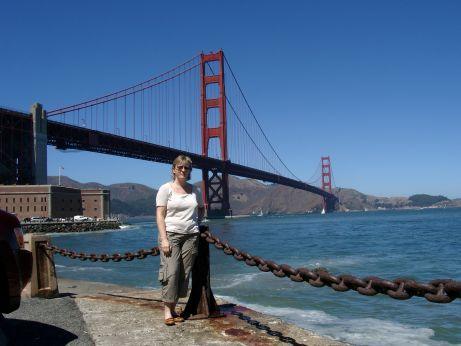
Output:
x=179 y=209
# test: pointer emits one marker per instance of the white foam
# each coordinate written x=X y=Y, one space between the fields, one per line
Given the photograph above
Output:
x=81 y=269
x=346 y=261
x=79 y=234
x=358 y=331
x=236 y=280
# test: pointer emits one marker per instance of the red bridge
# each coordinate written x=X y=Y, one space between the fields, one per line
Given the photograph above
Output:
x=197 y=108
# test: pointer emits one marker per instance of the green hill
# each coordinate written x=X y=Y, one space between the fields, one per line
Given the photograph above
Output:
x=423 y=200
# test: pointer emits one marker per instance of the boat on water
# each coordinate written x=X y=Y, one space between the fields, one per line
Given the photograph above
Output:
x=323 y=211
x=260 y=213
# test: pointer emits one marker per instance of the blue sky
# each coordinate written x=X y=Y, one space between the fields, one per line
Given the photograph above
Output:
x=375 y=85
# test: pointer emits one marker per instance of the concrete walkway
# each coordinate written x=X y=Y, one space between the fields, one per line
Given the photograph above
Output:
x=89 y=313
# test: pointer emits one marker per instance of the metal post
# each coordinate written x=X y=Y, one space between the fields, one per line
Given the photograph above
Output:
x=201 y=303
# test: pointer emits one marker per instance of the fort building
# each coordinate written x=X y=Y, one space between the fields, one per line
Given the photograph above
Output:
x=96 y=203
x=51 y=201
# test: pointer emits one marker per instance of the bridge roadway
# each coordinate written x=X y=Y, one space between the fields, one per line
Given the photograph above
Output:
x=64 y=136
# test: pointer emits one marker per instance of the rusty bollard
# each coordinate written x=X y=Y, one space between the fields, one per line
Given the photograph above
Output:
x=201 y=303
x=43 y=282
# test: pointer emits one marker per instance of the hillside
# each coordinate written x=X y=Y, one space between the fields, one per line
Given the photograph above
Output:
x=249 y=196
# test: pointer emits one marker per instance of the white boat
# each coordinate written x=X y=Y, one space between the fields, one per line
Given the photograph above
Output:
x=323 y=211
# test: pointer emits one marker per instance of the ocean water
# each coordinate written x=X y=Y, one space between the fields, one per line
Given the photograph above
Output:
x=418 y=244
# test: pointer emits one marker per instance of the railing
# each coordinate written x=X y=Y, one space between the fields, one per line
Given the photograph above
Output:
x=436 y=291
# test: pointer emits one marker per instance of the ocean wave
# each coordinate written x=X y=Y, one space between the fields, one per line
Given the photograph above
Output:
x=344 y=261
x=81 y=269
x=358 y=331
x=126 y=226
x=234 y=280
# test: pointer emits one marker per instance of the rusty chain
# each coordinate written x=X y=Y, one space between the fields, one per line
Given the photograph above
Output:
x=436 y=291
x=266 y=328
x=127 y=256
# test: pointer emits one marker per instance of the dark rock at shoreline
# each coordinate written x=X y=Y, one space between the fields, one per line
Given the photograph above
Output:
x=69 y=227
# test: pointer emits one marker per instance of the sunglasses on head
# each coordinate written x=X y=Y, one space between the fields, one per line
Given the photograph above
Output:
x=181 y=167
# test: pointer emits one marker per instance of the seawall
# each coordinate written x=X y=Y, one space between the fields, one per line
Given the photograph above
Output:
x=68 y=227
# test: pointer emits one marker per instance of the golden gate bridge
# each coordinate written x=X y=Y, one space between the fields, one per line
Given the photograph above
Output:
x=197 y=108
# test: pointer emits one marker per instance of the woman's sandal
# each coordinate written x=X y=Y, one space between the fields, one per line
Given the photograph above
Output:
x=170 y=321
x=178 y=318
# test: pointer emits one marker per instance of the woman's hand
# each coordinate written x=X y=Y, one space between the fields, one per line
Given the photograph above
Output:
x=165 y=247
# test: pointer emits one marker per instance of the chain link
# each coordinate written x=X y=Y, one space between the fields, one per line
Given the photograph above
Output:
x=436 y=291
x=127 y=256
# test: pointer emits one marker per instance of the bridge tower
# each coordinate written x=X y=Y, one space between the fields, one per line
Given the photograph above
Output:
x=328 y=205
x=215 y=183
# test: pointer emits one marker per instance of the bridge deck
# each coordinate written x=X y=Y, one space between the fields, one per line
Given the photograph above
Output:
x=65 y=136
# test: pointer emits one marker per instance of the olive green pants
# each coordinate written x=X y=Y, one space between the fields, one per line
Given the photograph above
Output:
x=174 y=270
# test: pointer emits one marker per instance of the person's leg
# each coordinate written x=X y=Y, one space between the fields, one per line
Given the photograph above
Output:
x=169 y=275
x=189 y=252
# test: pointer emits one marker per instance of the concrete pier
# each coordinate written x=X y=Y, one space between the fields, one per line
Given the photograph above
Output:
x=88 y=313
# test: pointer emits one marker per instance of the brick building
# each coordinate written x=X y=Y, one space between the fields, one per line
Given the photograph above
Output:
x=54 y=201
x=96 y=203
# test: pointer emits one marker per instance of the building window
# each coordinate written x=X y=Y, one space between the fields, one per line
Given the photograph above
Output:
x=41 y=208
x=35 y=199
x=27 y=208
x=20 y=208
x=20 y=200
x=6 y=200
x=27 y=199
x=95 y=200
x=95 y=208
x=6 y=209
x=14 y=200
x=35 y=208
x=14 y=209
x=45 y=199
x=45 y=207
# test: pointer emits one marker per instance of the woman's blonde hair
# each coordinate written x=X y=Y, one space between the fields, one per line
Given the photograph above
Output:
x=182 y=160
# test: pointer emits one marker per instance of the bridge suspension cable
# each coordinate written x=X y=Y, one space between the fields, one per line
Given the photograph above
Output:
x=234 y=111
x=163 y=110
x=256 y=128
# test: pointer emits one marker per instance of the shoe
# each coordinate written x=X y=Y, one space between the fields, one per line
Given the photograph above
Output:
x=169 y=321
x=178 y=318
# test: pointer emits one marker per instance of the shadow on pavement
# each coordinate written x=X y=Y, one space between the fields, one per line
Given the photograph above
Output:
x=20 y=332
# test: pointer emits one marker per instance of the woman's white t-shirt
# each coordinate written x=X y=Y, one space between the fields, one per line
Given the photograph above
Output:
x=181 y=209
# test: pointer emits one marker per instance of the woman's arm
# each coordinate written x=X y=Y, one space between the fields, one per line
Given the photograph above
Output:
x=164 y=243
